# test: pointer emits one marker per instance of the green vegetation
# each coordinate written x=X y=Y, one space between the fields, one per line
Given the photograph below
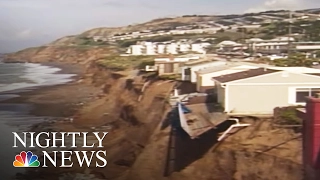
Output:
x=253 y=19
x=170 y=77
x=212 y=48
x=310 y=30
x=160 y=38
x=86 y=41
x=226 y=36
x=317 y=53
x=127 y=43
x=120 y=63
x=150 y=74
x=145 y=63
x=225 y=23
x=294 y=60
x=288 y=116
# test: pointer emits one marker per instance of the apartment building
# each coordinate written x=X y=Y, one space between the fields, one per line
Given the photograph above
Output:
x=184 y=47
x=150 y=48
x=275 y=45
x=200 y=47
x=307 y=46
x=136 y=49
x=172 y=48
x=161 y=49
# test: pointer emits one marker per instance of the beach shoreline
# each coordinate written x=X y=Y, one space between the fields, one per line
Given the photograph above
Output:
x=46 y=96
x=54 y=103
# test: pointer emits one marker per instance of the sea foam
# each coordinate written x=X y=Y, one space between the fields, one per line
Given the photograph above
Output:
x=32 y=75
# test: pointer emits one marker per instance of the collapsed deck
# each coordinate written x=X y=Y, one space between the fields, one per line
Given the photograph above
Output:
x=196 y=119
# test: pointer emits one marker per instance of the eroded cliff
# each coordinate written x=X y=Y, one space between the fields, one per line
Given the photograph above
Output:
x=60 y=54
x=141 y=145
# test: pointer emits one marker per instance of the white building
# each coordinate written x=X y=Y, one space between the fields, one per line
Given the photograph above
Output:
x=200 y=48
x=204 y=76
x=150 y=48
x=279 y=43
x=229 y=45
x=172 y=48
x=188 y=71
x=251 y=26
x=306 y=46
x=274 y=57
x=161 y=49
x=136 y=49
x=170 y=65
x=184 y=47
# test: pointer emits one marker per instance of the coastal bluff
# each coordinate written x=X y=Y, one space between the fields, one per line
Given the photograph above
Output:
x=138 y=139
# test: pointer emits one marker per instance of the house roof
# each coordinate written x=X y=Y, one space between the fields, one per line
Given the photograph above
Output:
x=227 y=43
x=200 y=62
x=231 y=69
x=298 y=69
x=244 y=74
x=315 y=74
x=231 y=65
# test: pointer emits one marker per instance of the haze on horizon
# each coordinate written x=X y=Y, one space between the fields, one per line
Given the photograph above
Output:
x=27 y=23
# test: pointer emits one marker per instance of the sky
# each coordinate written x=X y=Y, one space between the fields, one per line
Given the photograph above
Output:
x=27 y=23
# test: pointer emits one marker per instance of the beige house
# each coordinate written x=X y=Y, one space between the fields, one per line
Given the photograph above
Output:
x=259 y=91
x=204 y=76
x=171 y=65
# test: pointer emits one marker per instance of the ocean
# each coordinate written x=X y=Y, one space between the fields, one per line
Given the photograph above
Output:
x=14 y=79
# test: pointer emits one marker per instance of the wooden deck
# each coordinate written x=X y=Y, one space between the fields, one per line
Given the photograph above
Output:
x=204 y=110
x=201 y=120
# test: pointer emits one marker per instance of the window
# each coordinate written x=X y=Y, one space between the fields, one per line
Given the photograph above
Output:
x=187 y=71
x=302 y=93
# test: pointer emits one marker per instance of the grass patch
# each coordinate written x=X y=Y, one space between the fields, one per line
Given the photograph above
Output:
x=170 y=77
x=120 y=63
x=88 y=42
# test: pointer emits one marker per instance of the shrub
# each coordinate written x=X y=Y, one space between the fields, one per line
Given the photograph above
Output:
x=127 y=43
x=120 y=63
x=287 y=115
x=160 y=39
x=170 y=77
x=143 y=64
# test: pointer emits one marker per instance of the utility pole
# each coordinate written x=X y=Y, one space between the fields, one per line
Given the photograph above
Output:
x=289 y=33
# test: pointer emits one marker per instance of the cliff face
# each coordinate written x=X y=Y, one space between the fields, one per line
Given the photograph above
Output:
x=132 y=106
x=256 y=152
x=63 y=54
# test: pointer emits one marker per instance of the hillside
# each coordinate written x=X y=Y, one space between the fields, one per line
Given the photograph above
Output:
x=164 y=23
x=155 y=24
x=272 y=24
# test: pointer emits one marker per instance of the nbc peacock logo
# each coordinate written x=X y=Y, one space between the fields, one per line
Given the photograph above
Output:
x=26 y=160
